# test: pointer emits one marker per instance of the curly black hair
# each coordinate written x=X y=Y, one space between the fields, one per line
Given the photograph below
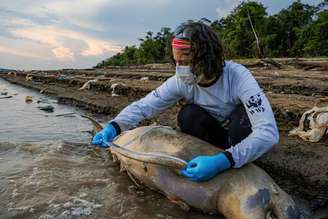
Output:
x=206 y=48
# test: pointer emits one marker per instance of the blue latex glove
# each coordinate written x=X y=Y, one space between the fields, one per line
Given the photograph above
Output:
x=105 y=136
x=203 y=168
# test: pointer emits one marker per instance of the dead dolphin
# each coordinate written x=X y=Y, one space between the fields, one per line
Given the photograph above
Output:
x=248 y=192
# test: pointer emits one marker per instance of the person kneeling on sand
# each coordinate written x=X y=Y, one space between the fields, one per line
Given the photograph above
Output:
x=226 y=107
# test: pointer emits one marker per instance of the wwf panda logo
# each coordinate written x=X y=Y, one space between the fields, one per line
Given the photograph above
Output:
x=254 y=104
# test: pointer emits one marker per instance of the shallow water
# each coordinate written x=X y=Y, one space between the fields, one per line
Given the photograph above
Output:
x=48 y=170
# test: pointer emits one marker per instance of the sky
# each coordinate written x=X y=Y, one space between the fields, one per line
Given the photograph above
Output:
x=57 y=34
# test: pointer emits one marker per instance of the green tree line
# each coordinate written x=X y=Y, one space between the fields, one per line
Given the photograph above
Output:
x=301 y=30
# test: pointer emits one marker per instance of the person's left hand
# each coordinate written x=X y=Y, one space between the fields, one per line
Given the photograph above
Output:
x=203 y=168
x=105 y=136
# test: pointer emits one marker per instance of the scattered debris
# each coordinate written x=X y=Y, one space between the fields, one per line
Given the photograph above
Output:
x=6 y=97
x=28 y=99
x=43 y=90
x=12 y=73
x=310 y=65
x=276 y=74
x=42 y=100
x=318 y=124
x=47 y=108
x=65 y=114
x=62 y=77
x=144 y=79
x=28 y=77
x=270 y=63
x=87 y=84
x=113 y=86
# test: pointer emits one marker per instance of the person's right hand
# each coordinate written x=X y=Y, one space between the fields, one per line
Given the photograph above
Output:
x=105 y=136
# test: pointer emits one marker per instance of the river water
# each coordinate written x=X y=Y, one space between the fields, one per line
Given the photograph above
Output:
x=48 y=169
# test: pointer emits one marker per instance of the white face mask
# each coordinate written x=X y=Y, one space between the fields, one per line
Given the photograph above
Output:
x=184 y=73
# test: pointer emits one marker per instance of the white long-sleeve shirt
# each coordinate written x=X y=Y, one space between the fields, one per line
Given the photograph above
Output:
x=235 y=86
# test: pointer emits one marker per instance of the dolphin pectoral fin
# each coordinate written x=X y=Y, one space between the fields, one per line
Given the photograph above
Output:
x=179 y=202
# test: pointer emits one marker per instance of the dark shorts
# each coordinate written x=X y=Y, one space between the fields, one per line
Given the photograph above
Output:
x=196 y=121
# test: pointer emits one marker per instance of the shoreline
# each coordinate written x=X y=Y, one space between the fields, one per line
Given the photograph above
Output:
x=299 y=167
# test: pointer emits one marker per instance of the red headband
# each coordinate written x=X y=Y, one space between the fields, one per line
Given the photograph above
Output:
x=181 y=44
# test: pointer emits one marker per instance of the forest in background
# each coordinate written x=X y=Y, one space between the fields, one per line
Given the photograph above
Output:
x=301 y=30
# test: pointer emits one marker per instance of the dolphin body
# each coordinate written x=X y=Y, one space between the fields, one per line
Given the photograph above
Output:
x=244 y=193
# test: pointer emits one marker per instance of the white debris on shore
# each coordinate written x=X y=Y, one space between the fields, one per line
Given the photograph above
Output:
x=113 y=87
x=144 y=79
x=318 y=120
x=87 y=84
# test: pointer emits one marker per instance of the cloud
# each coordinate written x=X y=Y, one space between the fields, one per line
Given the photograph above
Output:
x=226 y=7
x=19 y=52
x=63 y=53
x=76 y=12
x=56 y=39
x=82 y=7
x=20 y=22
x=85 y=13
